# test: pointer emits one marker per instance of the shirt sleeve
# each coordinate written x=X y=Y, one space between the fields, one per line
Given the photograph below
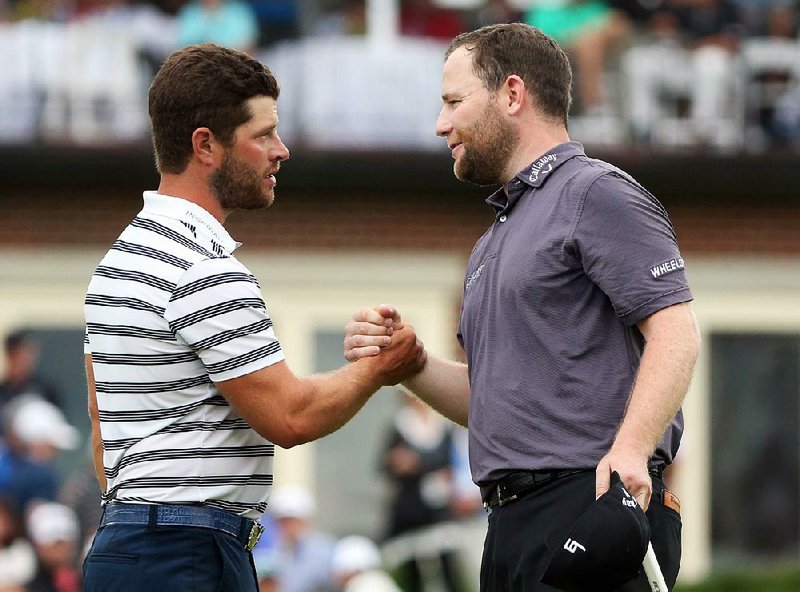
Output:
x=218 y=311
x=628 y=248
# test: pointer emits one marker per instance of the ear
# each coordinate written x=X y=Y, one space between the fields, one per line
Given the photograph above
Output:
x=514 y=94
x=204 y=146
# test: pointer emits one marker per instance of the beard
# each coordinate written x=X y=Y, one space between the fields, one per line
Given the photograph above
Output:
x=492 y=140
x=238 y=186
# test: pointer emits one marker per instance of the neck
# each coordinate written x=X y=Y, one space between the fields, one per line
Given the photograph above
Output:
x=193 y=188
x=541 y=139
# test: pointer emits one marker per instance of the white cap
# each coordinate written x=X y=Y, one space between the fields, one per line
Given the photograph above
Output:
x=290 y=501
x=355 y=554
x=51 y=522
x=36 y=421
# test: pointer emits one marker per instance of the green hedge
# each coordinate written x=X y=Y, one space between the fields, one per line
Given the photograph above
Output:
x=772 y=580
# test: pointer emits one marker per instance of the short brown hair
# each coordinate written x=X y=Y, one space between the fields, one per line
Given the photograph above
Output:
x=498 y=51
x=202 y=86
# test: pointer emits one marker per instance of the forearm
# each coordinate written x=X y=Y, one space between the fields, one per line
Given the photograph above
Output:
x=326 y=402
x=444 y=385
x=94 y=417
x=661 y=384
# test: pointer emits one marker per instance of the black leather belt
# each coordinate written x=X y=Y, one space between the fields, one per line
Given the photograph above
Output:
x=513 y=485
x=247 y=531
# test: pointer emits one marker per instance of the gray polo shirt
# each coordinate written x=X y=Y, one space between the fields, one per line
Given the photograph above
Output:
x=577 y=255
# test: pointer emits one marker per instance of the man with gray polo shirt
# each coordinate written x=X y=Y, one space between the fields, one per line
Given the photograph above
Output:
x=576 y=318
x=189 y=391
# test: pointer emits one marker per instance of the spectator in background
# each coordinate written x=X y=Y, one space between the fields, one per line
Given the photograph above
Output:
x=422 y=18
x=53 y=11
x=767 y=18
x=303 y=553
x=496 y=11
x=688 y=64
x=81 y=493
x=53 y=529
x=36 y=432
x=17 y=557
x=152 y=29
x=230 y=23
x=417 y=462
x=357 y=567
x=22 y=352
x=347 y=18
x=589 y=31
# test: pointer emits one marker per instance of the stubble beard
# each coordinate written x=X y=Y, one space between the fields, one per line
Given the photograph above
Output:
x=492 y=142
x=238 y=186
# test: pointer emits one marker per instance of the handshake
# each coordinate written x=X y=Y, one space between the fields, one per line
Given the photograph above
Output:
x=377 y=337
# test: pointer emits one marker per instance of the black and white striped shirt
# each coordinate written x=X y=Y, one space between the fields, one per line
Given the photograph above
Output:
x=169 y=312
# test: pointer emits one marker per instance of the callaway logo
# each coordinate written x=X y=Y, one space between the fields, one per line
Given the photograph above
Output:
x=573 y=546
x=628 y=500
x=537 y=169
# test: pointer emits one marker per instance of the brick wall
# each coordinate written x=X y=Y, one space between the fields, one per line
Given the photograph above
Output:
x=339 y=221
x=735 y=205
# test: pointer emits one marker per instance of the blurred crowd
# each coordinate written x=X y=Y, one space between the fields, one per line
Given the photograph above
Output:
x=49 y=510
x=46 y=517
x=722 y=73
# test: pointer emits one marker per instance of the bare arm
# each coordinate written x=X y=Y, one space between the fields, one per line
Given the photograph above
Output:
x=94 y=416
x=671 y=350
x=289 y=410
x=442 y=384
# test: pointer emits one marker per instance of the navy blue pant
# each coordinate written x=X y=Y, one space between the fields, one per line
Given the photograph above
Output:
x=138 y=558
x=515 y=552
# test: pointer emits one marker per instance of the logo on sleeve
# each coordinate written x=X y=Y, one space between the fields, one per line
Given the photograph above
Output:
x=667 y=267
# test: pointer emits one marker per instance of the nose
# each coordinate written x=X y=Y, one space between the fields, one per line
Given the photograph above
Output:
x=443 y=125
x=281 y=152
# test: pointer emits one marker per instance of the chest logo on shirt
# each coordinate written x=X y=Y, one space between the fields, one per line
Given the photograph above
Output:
x=667 y=267
x=538 y=166
x=474 y=276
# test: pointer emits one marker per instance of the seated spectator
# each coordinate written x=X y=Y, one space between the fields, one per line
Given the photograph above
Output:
x=357 y=567
x=152 y=29
x=53 y=529
x=688 y=65
x=496 y=11
x=17 y=557
x=589 y=31
x=22 y=352
x=346 y=19
x=304 y=553
x=422 y=18
x=278 y=20
x=230 y=23
x=767 y=18
x=35 y=434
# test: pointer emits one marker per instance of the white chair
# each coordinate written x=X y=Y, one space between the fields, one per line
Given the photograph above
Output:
x=678 y=97
x=17 y=91
x=771 y=71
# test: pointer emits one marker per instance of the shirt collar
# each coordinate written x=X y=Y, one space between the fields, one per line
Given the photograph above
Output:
x=534 y=175
x=205 y=225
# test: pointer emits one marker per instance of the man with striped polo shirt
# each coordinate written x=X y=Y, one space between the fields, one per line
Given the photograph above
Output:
x=188 y=388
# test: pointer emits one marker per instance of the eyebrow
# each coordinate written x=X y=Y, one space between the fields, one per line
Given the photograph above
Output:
x=267 y=129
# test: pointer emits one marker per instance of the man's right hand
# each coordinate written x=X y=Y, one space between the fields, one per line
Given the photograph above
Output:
x=370 y=330
x=404 y=357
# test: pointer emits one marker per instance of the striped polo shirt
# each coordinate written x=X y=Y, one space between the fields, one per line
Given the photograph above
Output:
x=169 y=312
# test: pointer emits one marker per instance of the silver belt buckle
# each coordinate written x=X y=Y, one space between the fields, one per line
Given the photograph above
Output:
x=255 y=535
